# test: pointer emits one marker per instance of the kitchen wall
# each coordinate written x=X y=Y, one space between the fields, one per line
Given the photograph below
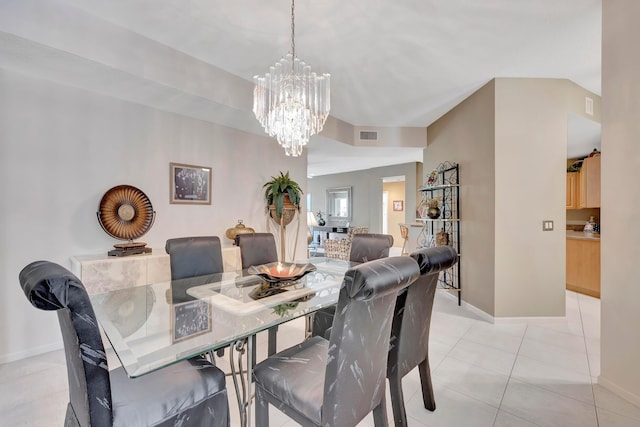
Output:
x=62 y=148
x=620 y=290
x=367 y=192
x=577 y=218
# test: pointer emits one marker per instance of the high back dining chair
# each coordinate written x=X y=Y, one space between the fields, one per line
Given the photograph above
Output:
x=258 y=249
x=188 y=393
x=338 y=382
x=194 y=256
x=364 y=247
x=410 y=331
x=369 y=246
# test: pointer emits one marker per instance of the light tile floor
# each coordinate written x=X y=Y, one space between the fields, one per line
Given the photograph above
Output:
x=529 y=373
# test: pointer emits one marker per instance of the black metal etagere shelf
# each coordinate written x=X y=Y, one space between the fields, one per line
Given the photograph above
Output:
x=443 y=183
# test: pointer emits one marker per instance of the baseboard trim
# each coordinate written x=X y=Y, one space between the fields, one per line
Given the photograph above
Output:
x=612 y=387
x=504 y=320
x=19 y=355
x=483 y=315
x=471 y=308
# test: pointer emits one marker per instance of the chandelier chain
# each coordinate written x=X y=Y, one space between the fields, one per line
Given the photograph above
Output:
x=293 y=28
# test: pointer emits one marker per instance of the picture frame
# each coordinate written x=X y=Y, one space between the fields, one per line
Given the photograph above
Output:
x=189 y=184
x=398 y=205
x=190 y=319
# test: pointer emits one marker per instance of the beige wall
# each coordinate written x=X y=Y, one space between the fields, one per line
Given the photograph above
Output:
x=510 y=139
x=620 y=297
x=465 y=135
x=530 y=153
x=396 y=191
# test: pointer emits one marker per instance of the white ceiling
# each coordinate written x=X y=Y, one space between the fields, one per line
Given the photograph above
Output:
x=400 y=63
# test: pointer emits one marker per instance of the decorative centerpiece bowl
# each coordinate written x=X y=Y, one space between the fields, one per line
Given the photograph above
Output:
x=276 y=272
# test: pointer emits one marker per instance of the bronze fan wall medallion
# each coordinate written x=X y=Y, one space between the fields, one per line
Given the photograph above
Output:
x=126 y=213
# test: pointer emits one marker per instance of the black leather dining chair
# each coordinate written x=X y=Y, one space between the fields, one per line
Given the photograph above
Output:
x=409 y=343
x=364 y=247
x=188 y=393
x=258 y=249
x=194 y=256
x=338 y=382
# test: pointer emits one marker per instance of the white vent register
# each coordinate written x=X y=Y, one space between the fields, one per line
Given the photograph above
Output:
x=588 y=105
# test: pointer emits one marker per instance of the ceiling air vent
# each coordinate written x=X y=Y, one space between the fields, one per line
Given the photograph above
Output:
x=368 y=135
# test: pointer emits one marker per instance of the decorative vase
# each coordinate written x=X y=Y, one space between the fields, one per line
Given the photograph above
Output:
x=321 y=222
x=239 y=228
x=442 y=238
x=433 y=212
x=288 y=212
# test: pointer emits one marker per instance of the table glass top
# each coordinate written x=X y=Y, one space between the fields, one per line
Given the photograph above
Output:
x=154 y=326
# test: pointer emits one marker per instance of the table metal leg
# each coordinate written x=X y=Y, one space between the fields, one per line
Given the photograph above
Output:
x=242 y=378
x=308 y=325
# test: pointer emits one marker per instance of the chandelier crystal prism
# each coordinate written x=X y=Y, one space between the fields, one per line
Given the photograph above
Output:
x=290 y=101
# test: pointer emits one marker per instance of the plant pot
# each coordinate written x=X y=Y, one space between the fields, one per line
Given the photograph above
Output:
x=433 y=213
x=288 y=212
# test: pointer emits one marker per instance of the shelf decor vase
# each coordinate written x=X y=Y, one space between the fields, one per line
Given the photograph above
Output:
x=433 y=212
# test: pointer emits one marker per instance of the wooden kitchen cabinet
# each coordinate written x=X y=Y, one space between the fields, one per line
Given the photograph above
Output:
x=589 y=185
x=583 y=266
x=573 y=192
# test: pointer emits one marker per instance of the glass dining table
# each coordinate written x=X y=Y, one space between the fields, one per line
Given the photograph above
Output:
x=153 y=326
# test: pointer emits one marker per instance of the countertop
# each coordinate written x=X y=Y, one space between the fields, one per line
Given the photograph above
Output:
x=581 y=235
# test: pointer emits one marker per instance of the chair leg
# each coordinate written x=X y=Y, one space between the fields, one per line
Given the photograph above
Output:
x=427 y=389
x=380 y=414
x=397 y=401
x=262 y=409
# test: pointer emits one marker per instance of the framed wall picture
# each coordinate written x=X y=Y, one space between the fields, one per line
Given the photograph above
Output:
x=190 y=319
x=398 y=205
x=190 y=184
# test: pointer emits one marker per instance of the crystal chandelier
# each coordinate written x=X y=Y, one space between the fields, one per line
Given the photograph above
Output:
x=291 y=102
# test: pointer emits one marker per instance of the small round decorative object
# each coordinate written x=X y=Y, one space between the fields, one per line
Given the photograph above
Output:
x=239 y=228
x=125 y=212
x=433 y=212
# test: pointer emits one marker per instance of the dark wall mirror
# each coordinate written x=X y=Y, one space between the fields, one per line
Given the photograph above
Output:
x=339 y=204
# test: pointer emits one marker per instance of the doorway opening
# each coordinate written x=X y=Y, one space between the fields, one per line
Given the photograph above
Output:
x=393 y=207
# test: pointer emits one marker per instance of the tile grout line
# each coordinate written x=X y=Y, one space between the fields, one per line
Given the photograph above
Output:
x=511 y=373
x=586 y=349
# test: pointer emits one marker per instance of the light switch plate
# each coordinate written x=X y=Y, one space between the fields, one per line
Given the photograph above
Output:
x=547 y=225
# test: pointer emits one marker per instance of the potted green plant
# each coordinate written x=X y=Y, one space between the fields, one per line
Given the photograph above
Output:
x=282 y=192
